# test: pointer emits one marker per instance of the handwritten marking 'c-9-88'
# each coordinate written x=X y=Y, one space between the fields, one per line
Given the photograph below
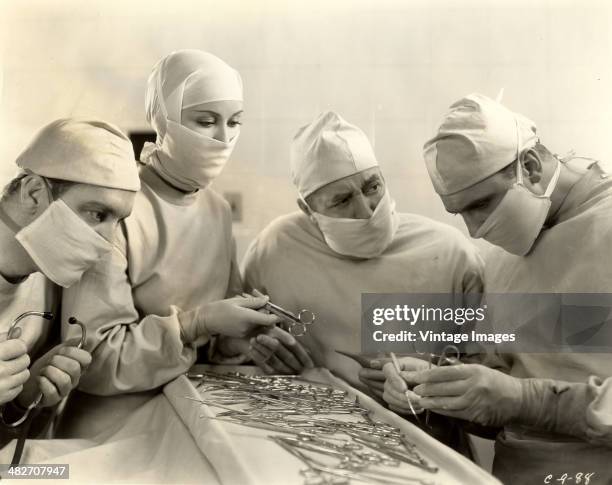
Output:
x=578 y=478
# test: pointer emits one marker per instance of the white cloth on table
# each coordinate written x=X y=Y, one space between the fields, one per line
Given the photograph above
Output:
x=151 y=445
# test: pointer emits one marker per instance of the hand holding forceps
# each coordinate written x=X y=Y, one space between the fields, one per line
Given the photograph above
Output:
x=297 y=324
x=450 y=355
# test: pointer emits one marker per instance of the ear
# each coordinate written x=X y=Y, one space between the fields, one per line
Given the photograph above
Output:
x=532 y=165
x=303 y=207
x=34 y=195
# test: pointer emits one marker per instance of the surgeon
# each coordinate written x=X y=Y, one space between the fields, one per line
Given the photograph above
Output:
x=78 y=178
x=346 y=239
x=551 y=223
x=172 y=285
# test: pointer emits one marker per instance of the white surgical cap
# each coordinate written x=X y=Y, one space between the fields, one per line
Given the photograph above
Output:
x=83 y=151
x=327 y=150
x=477 y=138
x=187 y=78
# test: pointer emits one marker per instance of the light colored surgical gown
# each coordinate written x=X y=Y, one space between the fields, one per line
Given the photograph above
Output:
x=174 y=254
x=291 y=262
x=572 y=256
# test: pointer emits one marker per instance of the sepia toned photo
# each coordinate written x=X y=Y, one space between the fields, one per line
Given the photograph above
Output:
x=282 y=242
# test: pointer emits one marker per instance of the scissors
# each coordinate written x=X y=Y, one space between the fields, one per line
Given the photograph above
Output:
x=11 y=335
x=297 y=324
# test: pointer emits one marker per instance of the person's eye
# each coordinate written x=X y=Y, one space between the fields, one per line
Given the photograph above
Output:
x=97 y=216
x=206 y=123
x=234 y=123
x=374 y=188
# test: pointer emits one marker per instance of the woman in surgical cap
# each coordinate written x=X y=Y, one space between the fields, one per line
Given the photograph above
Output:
x=170 y=287
x=194 y=103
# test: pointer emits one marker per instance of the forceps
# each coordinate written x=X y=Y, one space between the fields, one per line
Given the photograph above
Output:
x=297 y=324
x=398 y=369
x=10 y=335
x=450 y=355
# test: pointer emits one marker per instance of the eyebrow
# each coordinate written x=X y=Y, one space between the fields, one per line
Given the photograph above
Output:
x=348 y=193
x=214 y=113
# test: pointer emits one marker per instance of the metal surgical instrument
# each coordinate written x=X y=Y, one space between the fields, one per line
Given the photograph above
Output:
x=297 y=324
x=450 y=355
x=306 y=417
x=398 y=369
x=362 y=360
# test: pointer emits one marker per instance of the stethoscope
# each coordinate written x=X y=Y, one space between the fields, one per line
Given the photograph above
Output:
x=11 y=334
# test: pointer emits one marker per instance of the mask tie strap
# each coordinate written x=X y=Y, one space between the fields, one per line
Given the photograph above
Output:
x=553 y=181
x=303 y=199
x=519 y=169
x=49 y=190
x=519 y=166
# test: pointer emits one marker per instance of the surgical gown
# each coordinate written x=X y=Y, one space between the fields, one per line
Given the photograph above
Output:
x=572 y=256
x=291 y=262
x=175 y=253
x=34 y=293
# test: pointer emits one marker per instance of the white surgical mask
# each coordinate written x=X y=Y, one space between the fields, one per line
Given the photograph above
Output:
x=62 y=245
x=189 y=160
x=361 y=238
x=518 y=219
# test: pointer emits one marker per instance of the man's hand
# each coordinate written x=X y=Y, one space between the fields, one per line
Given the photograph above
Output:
x=14 y=362
x=55 y=374
x=373 y=377
x=397 y=385
x=472 y=392
x=276 y=351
